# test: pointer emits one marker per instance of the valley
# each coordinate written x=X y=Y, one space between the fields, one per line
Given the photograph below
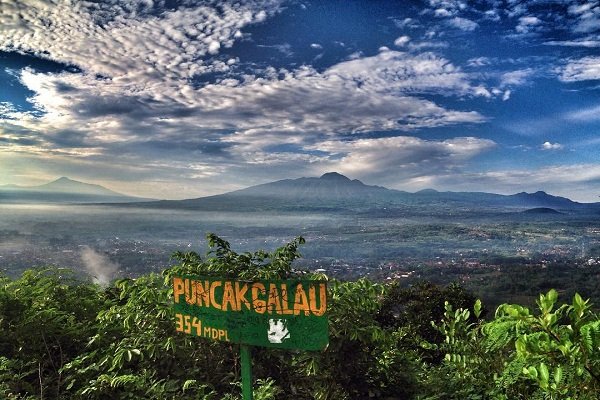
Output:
x=352 y=230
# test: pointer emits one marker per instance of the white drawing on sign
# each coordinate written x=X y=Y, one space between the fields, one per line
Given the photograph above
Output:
x=278 y=331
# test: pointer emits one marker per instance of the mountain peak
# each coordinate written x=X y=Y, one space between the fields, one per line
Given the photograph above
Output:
x=63 y=179
x=334 y=176
x=68 y=185
x=66 y=190
x=428 y=191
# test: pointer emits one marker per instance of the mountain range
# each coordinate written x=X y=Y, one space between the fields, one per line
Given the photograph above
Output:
x=63 y=190
x=331 y=192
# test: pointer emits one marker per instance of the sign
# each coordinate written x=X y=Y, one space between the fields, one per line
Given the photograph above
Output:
x=289 y=314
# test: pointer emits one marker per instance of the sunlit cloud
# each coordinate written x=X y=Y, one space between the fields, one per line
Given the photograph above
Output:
x=552 y=146
x=586 y=68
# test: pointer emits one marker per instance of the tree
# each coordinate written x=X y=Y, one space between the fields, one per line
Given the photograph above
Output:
x=551 y=354
x=415 y=307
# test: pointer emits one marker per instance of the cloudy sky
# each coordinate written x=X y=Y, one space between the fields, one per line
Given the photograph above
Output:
x=179 y=99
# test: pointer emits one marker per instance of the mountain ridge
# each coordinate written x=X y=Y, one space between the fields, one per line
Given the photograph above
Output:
x=64 y=190
x=333 y=191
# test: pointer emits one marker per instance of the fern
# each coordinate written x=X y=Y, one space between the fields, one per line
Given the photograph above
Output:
x=123 y=380
x=590 y=334
x=498 y=334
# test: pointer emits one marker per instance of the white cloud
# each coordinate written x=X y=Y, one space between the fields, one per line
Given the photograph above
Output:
x=589 y=114
x=552 y=146
x=588 y=16
x=586 y=68
x=492 y=15
x=396 y=159
x=213 y=47
x=527 y=24
x=316 y=46
x=352 y=96
x=397 y=71
x=406 y=23
x=419 y=46
x=442 y=12
x=463 y=24
x=402 y=41
x=449 y=6
x=283 y=48
x=128 y=42
x=579 y=9
x=516 y=78
x=479 y=62
x=590 y=41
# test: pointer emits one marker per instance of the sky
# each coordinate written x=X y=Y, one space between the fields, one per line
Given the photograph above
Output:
x=180 y=99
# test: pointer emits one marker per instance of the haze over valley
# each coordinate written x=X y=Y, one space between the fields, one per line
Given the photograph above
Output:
x=352 y=229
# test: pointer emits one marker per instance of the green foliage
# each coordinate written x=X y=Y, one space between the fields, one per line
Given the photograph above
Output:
x=414 y=308
x=363 y=359
x=221 y=261
x=549 y=354
x=45 y=321
x=64 y=338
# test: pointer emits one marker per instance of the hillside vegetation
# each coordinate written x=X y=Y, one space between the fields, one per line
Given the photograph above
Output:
x=65 y=338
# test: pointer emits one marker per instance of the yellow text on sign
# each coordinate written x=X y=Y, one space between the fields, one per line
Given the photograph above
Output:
x=273 y=298
x=185 y=323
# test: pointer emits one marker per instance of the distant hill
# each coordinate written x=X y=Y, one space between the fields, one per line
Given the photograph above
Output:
x=333 y=192
x=541 y=211
x=63 y=190
x=541 y=200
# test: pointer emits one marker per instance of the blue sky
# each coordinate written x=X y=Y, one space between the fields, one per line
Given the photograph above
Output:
x=180 y=99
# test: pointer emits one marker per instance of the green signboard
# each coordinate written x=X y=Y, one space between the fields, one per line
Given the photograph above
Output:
x=289 y=314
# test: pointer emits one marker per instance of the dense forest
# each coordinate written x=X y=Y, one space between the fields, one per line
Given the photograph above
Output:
x=64 y=337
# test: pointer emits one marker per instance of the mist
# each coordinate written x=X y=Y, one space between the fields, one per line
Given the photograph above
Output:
x=98 y=265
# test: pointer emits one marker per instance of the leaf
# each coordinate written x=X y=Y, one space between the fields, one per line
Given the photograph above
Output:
x=533 y=372
x=587 y=338
x=558 y=374
x=189 y=383
x=544 y=374
x=477 y=308
x=520 y=346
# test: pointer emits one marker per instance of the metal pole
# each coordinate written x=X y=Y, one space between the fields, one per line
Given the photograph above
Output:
x=246 y=360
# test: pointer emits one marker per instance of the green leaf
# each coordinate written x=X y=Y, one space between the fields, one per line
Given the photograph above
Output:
x=520 y=346
x=189 y=383
x=532 y=372
x=477 y=308
x=544 y=374
x=558 y=374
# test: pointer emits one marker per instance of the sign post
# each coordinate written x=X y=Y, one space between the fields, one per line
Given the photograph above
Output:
x=285 y=314
x=246 y=360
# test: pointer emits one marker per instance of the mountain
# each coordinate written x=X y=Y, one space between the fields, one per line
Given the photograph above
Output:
x=330 y=192
x=333 y=192
x=63 y=190
x=541 y=211
x=541 y=200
